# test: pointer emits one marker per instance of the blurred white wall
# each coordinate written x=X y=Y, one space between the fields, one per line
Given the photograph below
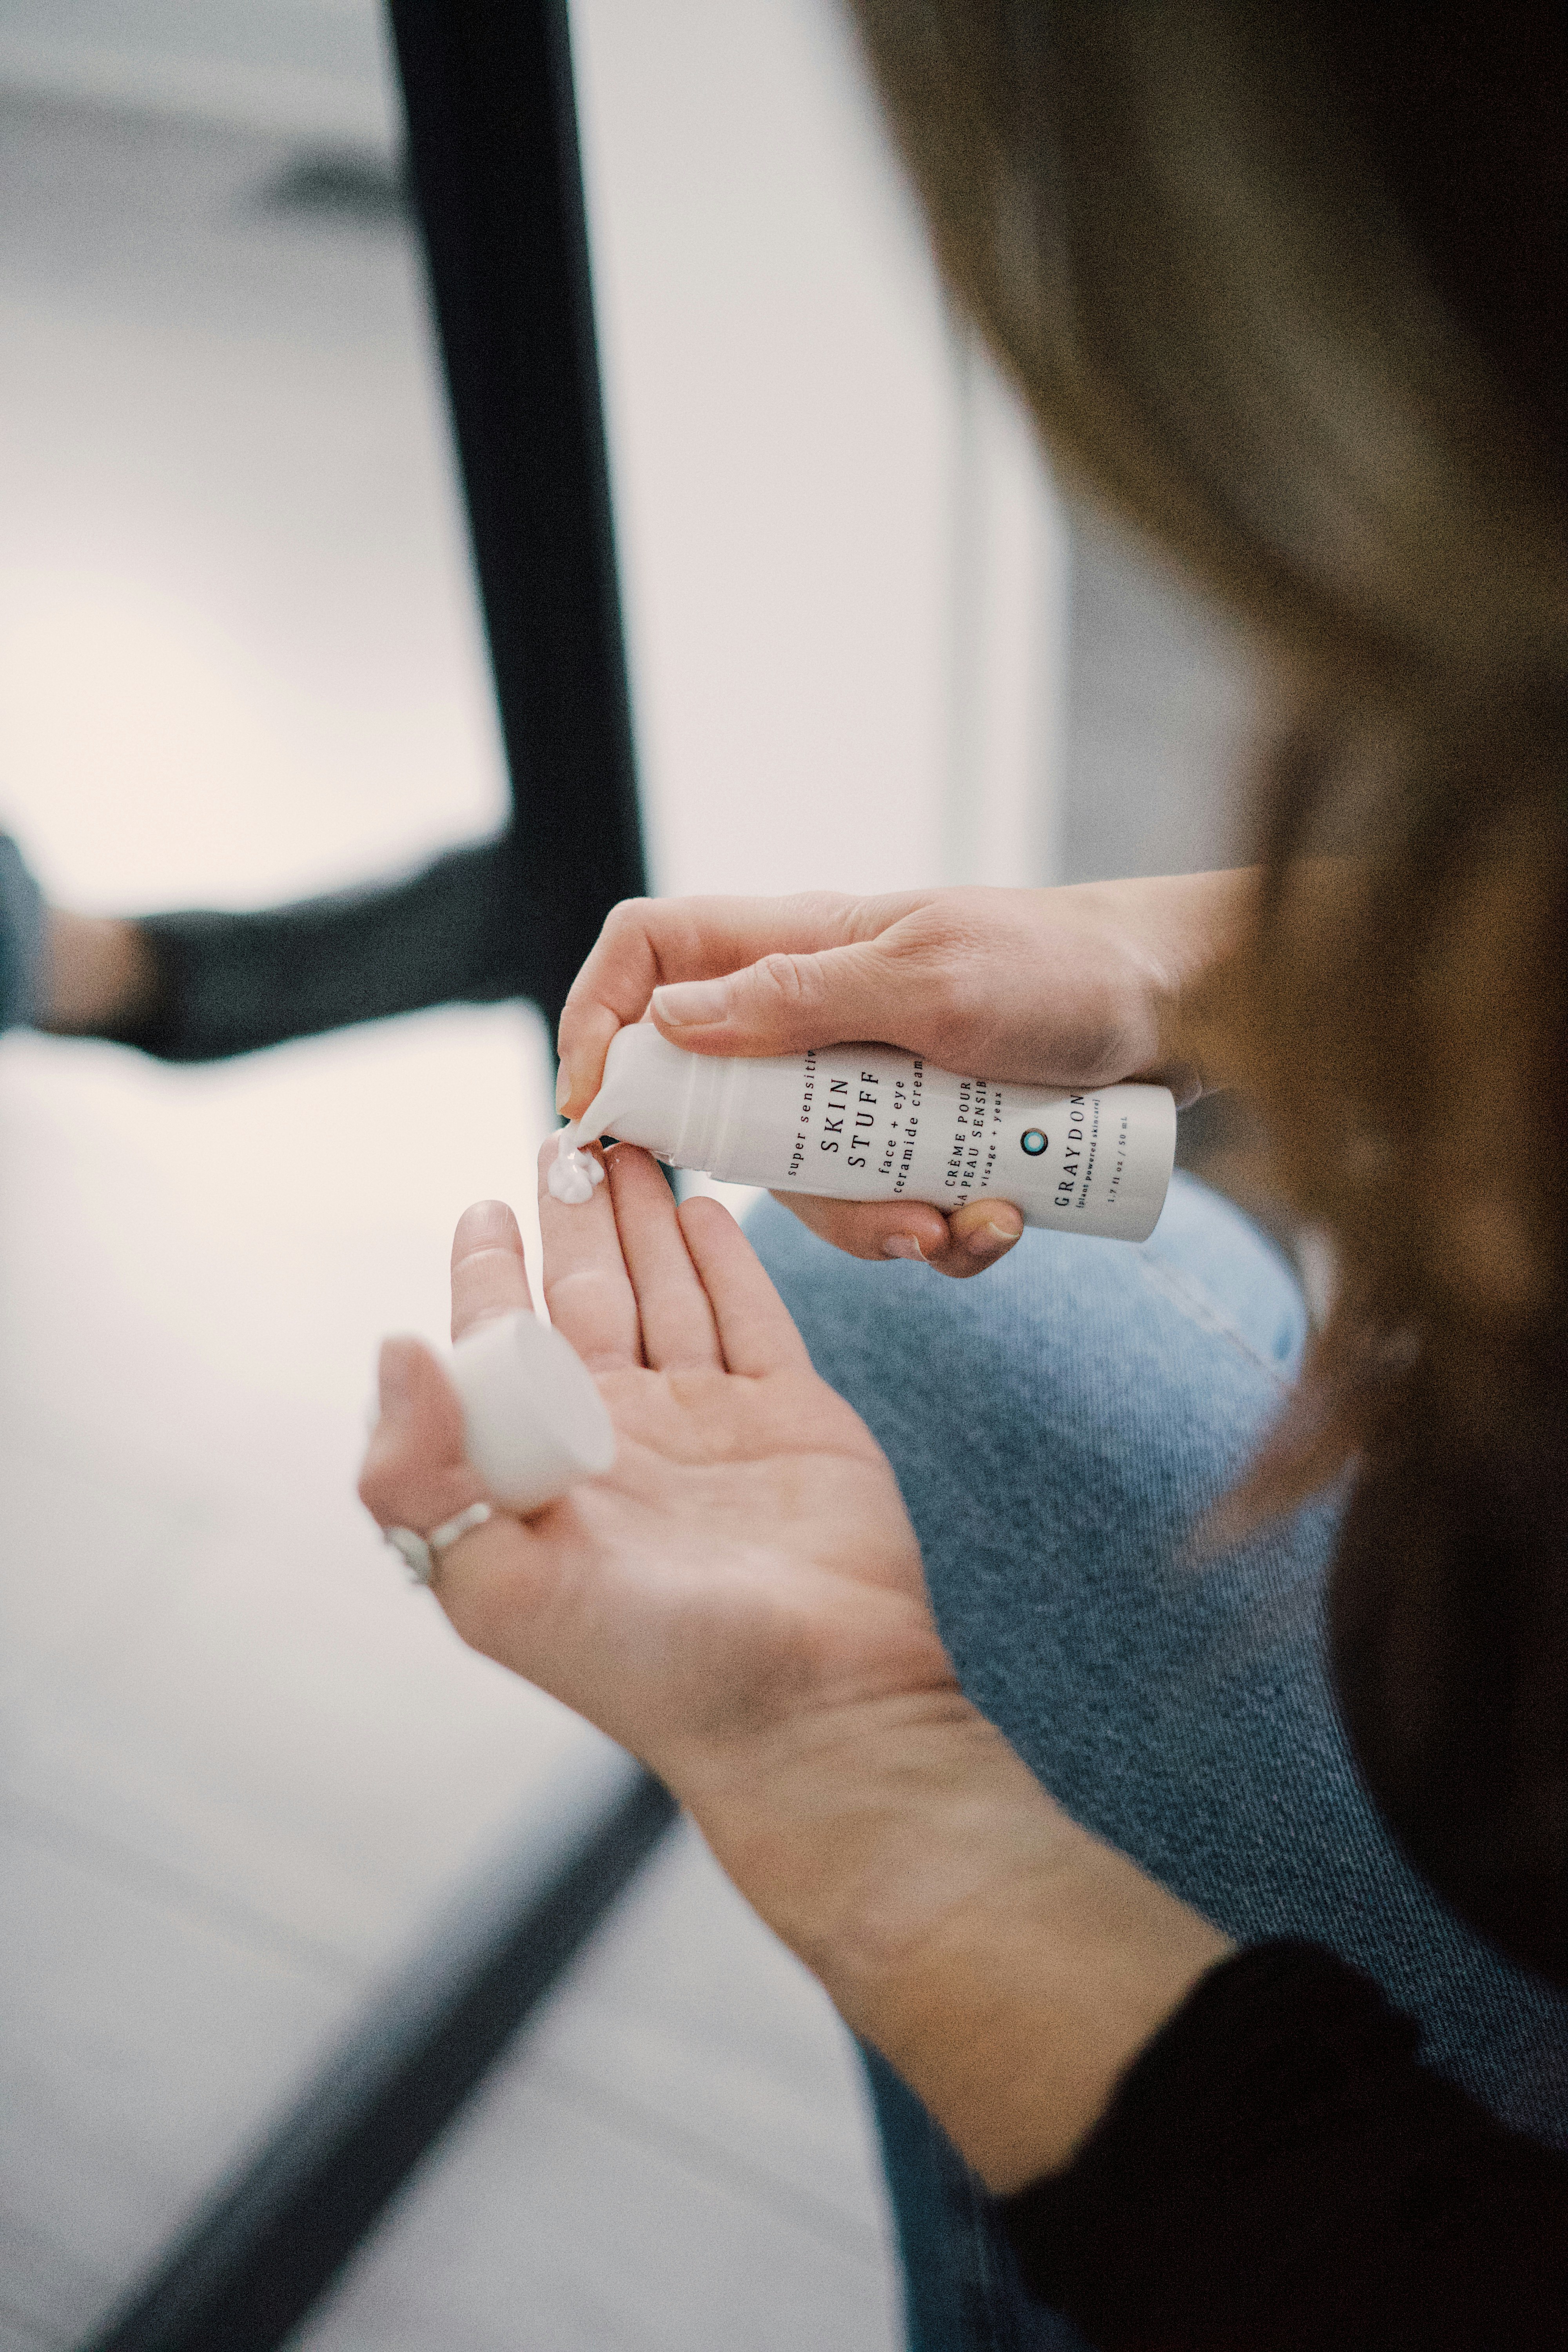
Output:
x=824 y=501
x=845 y=572
x=318 y=68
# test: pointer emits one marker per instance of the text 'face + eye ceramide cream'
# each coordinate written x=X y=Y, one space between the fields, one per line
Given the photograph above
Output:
x=874 y=1123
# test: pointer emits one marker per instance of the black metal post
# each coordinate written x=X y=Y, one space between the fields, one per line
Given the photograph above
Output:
x=493 y=152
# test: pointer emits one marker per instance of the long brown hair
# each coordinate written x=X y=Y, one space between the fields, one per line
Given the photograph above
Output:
x=1286 y=285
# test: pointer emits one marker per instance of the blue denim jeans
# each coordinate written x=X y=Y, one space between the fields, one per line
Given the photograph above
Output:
x=1058 y=1428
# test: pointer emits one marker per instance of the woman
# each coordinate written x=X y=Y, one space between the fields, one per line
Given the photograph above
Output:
x=1079 y=1827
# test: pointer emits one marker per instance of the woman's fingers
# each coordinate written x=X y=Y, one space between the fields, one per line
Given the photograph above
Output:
x=587 y=1287
x=415 y=1472
x=647 y=943
x=872 y=1229
x=678 y=1326
x=785 y=1002
x=979 y=1234
x=756 y=1330
x=489 y=1277
x=972 y=1239
x=415 y=1475
x=630 y=1281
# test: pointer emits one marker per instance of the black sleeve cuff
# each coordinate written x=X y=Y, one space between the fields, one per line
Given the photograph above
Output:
x=1277 y=2173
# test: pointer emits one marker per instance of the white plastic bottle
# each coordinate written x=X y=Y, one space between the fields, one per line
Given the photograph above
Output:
x=873 y=1123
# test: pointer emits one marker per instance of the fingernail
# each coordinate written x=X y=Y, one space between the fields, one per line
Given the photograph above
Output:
x=689 y=1003
x=987 y=1240
x=392 y=1376
x=483 y=1225
x=562 y=1086
x=902 y=1245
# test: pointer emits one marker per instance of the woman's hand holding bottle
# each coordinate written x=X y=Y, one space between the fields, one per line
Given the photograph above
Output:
x=1074 y=987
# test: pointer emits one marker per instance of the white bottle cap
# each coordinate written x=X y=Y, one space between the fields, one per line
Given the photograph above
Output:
x=533 y=1416
x=674 y=1104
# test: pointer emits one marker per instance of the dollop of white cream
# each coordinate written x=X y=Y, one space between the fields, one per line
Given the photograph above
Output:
x=573 y=1173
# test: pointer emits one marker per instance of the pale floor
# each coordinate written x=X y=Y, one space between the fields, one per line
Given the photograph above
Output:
x=242 y=1763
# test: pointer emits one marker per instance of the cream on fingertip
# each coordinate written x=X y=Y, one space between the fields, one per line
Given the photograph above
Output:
x=573 y=1174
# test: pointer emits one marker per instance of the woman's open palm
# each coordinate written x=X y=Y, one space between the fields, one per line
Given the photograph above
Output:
x=746 y=1570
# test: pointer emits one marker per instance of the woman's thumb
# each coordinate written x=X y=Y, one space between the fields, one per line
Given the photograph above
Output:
x=784 y=1004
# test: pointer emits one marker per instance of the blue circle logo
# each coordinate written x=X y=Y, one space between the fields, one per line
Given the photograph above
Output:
x=1034 y=1142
